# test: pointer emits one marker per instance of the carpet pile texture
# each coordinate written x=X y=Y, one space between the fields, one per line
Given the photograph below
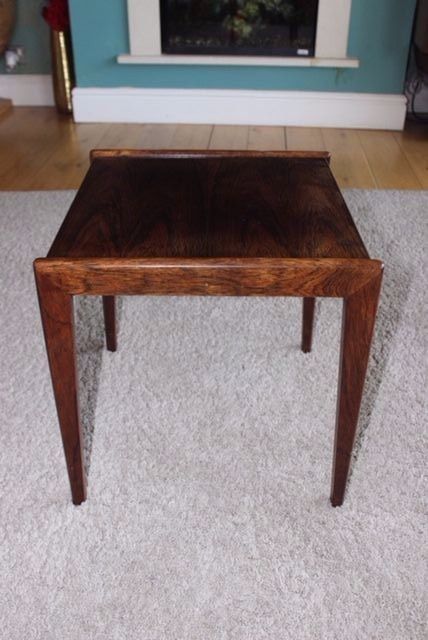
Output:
x=209 y=441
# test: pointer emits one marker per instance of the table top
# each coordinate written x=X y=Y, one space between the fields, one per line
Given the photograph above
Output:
x=208 y=205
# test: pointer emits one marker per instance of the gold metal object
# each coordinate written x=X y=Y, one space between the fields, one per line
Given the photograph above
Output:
x=62 y=70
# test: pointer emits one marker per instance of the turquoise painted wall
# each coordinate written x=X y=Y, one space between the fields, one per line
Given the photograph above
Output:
x=379 y=36
x=32 y=33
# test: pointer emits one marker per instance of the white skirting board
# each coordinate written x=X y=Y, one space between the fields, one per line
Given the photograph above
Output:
x=32 y=90
x=224 y=106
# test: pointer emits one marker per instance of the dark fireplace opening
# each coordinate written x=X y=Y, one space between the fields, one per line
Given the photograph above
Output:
x=239 y=27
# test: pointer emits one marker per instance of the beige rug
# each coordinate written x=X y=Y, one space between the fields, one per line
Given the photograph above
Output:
x=209 y=441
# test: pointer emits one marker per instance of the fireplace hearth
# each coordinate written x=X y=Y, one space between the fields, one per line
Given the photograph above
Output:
x=239 y=27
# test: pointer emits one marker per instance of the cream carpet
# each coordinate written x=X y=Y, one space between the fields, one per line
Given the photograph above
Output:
x=209 y=441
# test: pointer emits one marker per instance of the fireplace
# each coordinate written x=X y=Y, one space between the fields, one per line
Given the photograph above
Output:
x=239 y=27
x=285 y=33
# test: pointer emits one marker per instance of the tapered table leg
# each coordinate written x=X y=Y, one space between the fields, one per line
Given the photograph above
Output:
x=109 y=308
x=56 y=310
x=308 y=323
x=359 y=314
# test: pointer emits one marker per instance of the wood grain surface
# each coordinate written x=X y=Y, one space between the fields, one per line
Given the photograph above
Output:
x=209 y=223
x=56 y=309
x=210 y=276
x=40 y=149
x=307 y=323
x=215 y=205
x=358 y=321
x=109 y=310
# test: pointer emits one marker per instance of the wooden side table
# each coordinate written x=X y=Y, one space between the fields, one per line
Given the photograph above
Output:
x=208 y=223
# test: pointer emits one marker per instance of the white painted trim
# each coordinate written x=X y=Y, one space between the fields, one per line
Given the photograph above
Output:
x=144 y=26
x=222 y=106
x=332 y=28
x=27 y=90
x=252 y=61
x=331 y=44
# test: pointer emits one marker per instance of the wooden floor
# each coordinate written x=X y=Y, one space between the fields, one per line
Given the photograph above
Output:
x=41 y=150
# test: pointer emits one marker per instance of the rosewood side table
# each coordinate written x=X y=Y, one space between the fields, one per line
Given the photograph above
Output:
x=208 y=223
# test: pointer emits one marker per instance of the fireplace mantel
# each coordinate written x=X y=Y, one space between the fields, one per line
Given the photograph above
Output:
x=330 y=46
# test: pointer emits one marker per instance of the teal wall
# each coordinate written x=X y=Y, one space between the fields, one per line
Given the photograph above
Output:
x=32 y=33
x=379 y=36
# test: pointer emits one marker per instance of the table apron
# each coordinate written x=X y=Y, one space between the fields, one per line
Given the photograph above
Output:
x=214 y=277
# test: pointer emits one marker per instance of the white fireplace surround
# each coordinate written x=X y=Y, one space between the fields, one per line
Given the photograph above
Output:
x=331 y=43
